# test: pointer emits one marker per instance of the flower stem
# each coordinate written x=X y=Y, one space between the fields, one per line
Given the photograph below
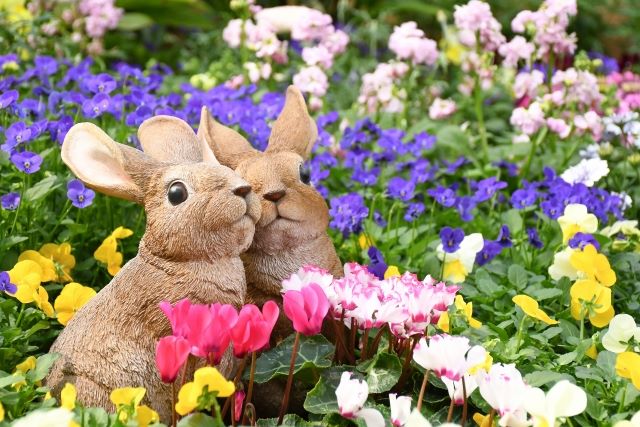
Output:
x=252 y=373
x=464 y=405
x=450 y=413
x=423 y=387
x=519 y=334
x=377 y=338
x=622 y=398
x=492 y=413
x=19 y=320
x=236 y=380
x=365 y=341
x=65 y=211
x=480 y=116
x=173 y=404
x=541 y=134
x=287 y=390
x=15 y=218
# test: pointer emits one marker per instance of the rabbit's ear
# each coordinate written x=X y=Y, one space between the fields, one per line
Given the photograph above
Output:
x=294 y=130
x=170 y=139
x=228 y=146
x=103 y=164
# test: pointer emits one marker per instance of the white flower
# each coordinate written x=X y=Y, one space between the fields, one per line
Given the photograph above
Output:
x=562 y=267
x=625 y=227
x=505 y=391
x=563 y=400
x=576 y=219
x=587 y=172
x=351 y=395
x=456 y=390
x=282 y=18
x=448 y=356
x=528 y=120
x=400 y=409
x=442 y=108
x=458 y=265
x=417 y=420
x=58 y=417
x=634 y=422
x=622 y=329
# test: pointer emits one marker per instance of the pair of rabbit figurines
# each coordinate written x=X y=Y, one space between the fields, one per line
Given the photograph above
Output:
x=225 y=223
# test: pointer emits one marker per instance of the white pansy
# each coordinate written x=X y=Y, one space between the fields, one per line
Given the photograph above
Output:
x=626 y=227
x=587 y=172
x=564 y=399
x=458 y=265
x=576 y=219
x=562 y=267
x=58 y=417
x=634 y=422
x=622 y=329
x=351 y=395
x=416 y=419
x=400 y=409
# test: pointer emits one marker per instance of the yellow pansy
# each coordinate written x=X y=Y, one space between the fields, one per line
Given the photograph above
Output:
x=62 y=259
x=47 y=266
x=15 y=10
x=27 y=276
x=146 y=416
x=364 y=241
x=68 y=396
x=392 y=271
x=576 y=219
x=121 y=233
x=467 y=310
x=458 y=265
x=41 y=298
x=596 y=266
x=592 y=352
x=1 y=412
x=127 y=396
x=481 y=420
x=531 y=309
x=628 y=366
x=591 y=291
x=70 y=300
x=486 y=365
x=444 y=322
x=208 y=377
x=107 y=253
x=25 y=366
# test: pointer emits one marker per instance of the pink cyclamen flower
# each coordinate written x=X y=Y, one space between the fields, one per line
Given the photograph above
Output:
x=306 y=308
x=448 y=356
x=209 y=330
x=237 y=404
x=171 y=353
x=178 y=316
x=253 y=328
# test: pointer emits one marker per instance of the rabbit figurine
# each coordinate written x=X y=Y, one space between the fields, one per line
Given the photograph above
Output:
x=200 y=217
x=292 y=230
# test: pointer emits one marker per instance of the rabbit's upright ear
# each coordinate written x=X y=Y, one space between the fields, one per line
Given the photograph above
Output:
x=294 y=130
x=228 y=145
x=170 y=139
x=103 y=164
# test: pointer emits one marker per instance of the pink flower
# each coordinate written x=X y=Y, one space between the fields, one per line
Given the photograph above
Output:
x=409 y=42
x=442 y=108
x=178 y=316
x=283 y=18
x=253 y=329
x=528 y=120
x=589 y=122
x=518 y=48
x=237 y=404
x=448 y=356
x=209 y=330
x=314 y=25
x=311 y=80
x=318 y=55
x=306 y=309
x=527 y=84
x=559 y=127
x=336 y=42
x=311 y=274
x=475 y=18
x=232 y=33
x=100 y=16
x=171 y=353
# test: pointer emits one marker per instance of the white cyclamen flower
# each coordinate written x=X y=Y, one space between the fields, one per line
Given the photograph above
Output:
x=416 y=419
x=622 y=329
x=563 y=400
x=351 y=395
x=505 y=391
x=634 y=422
x=587 y=172
x=456 y=389
x=448 y=356
x=400 y=409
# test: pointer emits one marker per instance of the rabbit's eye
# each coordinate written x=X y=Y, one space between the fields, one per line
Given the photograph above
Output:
x=305 y=173
x=177 y=193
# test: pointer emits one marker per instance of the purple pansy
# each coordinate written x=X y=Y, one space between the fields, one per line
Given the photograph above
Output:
x=347 y=213
x=451 y=239
x=16 y=134
x=80 y=196
x=580 y=240
x=27 y=161
x=378 y=266
x=489 y=251
x=401 y=189
x=534 y=238
x=10 y=201
x=5 y=283
x=8 y=98
x=504 y=237
x=444 y=196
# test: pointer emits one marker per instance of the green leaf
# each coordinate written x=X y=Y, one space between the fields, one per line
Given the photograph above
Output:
x=540 y=378
x=43 y=365
x=292 y=420
x=453 y=138
x=11 y=241
x=313 y=352
x=517 y=276
x=383 y=373
x=322 y=398
x=134 y=21
x=513 y=220
x=567 y=358
x=42 y=188
x=10 y=380
x=198 y=420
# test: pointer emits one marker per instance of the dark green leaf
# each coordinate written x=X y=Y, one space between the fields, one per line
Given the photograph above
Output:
x=322 y=398
x=134 y=21
x=198 y=420
x=383 y=373
x=517 y=276
x=42 y=188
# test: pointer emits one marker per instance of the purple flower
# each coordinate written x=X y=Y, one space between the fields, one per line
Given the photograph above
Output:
x=452 y=167
x=504 y=237
x=347 y=213
x=422 y=171
x=580 y=240
x=489 y=251
x=366 y=177
x=8 y=98
x=401 y=189
x=522 y=198
x=511 y=168
x=16 y=134
x=26 y=161
x=534 y=239
x=486 y=188
x=422 y=142
x=378 y=266
x=10 y=201
x=379 y=219
x=102 y=83
x=451 y=239
x=414 y=210
x=46 y=65
x=5 y=283
x=80 y=196
x=552 y=208
x=95 y=106
x=465 y=206
x=444 y=196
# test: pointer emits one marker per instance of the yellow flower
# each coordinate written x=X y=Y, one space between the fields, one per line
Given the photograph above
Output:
x=121 y=233
x=596 y=266
x=27 y=276
x=486 y=365
x=70 y=300
x=61 y=257
x=628 y=366
x=481 y=420
x=444 y=322
x=589 y=297
x=107 y=252
x=146 y=416
x=127 y=396
x=364 y=241
x=25 y=366
x=68 y=396
x=16 y=11
x=46 y=265
x=531 y=309
x=592 y=352
x=458 y=265
x=576 y=219
x=1 y=412
x=467 y=310
x=208 y=377
x=41 y=298
x=392 y=271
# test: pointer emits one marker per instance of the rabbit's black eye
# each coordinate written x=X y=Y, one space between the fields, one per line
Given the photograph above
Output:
x=177 y=193
x=305 y=173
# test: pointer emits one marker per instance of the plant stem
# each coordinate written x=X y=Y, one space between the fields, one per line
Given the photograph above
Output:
x=519 y=334
x=252 y=372
x=622 y=399
x=541 y=134
x=444 y=257
x=450 y=413
x=377 y=338
x=173 y=404
x=352 y=340
x=550 y=65
x=19 y=320
x=236 y=380
x=65 y=211
x=492 y=413
x=287 y=391
x=423 y=387
x=480 y=116
x=15 y=218
x=464 y=405
x=365 y=342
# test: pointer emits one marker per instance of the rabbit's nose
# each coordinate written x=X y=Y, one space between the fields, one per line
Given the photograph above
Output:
x=274 y=196
x=242 y=190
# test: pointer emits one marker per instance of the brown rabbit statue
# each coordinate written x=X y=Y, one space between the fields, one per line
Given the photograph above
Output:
x=200 y=217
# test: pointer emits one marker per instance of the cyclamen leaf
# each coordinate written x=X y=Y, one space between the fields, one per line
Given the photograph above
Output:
x=322 y=398
x=383 y=373
x=197 y=420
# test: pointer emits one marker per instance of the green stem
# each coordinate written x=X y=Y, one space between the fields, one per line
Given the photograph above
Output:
x=571 y=152
x=550 y=70
x=19 y=320
x=622 y=398
x=480 y=116
x=519 y=335
x=22 y=190
x=444 y=257
x=65 y=211
x=541 y=134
